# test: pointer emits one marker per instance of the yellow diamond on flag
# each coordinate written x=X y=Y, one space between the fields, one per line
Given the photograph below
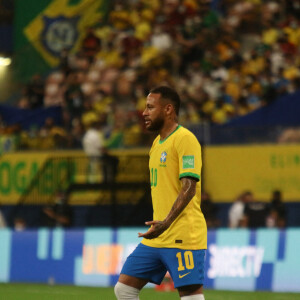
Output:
x=62 y=26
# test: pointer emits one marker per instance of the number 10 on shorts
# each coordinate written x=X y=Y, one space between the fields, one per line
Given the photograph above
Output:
x=188 y=260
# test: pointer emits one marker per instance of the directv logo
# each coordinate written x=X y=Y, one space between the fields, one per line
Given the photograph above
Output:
x=235 y=261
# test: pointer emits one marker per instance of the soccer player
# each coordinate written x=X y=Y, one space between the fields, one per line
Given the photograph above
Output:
x=177 y=238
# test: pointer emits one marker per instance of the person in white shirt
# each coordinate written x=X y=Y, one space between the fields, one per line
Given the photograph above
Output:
x=93 y=141
x=93 y=145
x=236 y=211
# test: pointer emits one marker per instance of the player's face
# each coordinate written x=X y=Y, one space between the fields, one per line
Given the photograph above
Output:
x=153 y=113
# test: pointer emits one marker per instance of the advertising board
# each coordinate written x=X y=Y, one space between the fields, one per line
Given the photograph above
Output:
x=266 y=259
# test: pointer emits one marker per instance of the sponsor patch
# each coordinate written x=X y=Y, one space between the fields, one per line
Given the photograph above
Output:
x=188 y=162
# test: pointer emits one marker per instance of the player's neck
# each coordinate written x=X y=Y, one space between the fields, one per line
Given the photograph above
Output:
x=167 y=130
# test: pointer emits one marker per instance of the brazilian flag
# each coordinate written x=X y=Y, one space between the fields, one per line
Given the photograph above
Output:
x=43 y=28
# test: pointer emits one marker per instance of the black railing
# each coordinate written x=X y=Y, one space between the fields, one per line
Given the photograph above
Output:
x=116 y=188
x=56 y=174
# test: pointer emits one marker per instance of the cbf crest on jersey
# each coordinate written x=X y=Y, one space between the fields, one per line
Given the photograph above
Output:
x=62 y=25
x=163 y=157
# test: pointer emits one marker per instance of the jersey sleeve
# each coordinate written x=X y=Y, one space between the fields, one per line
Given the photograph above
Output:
x=189 y=156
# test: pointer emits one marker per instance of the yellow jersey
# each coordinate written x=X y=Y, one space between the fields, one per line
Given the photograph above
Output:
x=175 y=157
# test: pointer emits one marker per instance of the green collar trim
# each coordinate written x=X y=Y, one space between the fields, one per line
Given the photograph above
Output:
x=161 y=141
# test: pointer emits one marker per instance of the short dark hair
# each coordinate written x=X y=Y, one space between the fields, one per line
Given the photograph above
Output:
x=170 y=94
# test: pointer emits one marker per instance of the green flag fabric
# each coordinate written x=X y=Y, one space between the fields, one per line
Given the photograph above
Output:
x=42 y=29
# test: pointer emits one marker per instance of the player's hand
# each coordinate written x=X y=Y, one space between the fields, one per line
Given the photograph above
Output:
x=156 y=229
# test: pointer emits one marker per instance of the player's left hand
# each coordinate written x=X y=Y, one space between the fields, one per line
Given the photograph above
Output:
x=156 y=229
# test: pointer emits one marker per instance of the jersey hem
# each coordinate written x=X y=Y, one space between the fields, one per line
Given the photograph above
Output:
x=187 y=247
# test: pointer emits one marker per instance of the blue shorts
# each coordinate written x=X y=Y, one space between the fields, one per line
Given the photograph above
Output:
x=186 y=267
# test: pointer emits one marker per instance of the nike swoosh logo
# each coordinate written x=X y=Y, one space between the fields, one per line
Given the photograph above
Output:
x=181 y=276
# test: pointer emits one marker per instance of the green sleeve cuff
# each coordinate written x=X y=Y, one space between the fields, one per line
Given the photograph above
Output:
x=188 y=174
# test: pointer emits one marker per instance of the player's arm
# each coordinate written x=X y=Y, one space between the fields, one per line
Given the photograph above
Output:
x=187 y=192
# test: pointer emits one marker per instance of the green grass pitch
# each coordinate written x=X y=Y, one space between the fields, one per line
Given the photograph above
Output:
x=58 y=292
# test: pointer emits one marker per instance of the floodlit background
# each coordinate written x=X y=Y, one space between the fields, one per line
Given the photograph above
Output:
x=74 y=76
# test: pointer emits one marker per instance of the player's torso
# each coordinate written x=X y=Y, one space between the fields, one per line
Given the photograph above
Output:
x=166 y=166
x=164 y=176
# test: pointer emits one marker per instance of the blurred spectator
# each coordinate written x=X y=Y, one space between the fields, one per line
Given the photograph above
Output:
x=64 y=64
x=93 y=146
x=58 y=215
x=91 y=44
x=19 y=224
x=74 y=98
x=236 y=211
x=54 y=89
x=209 y=210
x=2 y=219
x=35 y=91
x=293 y=8
x=77 y=131
x=277 y=211
x=52 y=136
x=255 y=213
x=102 y=165
x=289 y=135
x=160 y=39
x=109 y=167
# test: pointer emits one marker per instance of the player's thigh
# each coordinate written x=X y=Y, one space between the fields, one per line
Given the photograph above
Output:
x=186 y=267
x=189 y=290
x=135 y=282
x=144 y=263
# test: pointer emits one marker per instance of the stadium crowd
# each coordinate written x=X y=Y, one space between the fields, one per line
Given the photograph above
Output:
x=247 y=212
x=244 y=212
x=226 y=58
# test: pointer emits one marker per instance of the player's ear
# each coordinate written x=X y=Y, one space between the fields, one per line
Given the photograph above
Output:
x=169 y=109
